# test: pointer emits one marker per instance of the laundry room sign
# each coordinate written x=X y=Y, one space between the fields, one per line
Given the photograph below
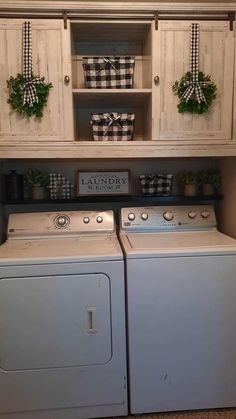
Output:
x=103 y=182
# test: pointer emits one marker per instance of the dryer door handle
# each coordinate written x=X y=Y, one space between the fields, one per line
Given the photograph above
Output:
x=92 y=319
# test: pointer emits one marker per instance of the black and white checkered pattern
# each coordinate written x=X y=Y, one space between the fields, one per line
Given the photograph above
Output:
x=108 y=72
x=60 y=187
x=158 y=185
x=112 y=126
x=194 y=86
x=27 y=51
x=30 y=95
x=194 y=51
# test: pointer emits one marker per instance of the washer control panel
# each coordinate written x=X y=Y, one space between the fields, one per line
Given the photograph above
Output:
x=163 y=218
x=43 y=224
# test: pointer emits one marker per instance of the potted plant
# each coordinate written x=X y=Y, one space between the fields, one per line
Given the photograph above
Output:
x=36 y=181
x=189 y=181
x=209 y=181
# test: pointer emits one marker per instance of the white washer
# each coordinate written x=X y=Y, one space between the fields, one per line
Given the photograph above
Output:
x=62 y=317
x=181 y=307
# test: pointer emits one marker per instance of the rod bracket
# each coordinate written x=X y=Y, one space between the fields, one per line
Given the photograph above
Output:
x=64 y=15
x=231 y=20
x=156 y=17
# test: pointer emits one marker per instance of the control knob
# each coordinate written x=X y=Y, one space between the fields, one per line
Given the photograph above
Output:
x=144 y=216
x=131 y=216
x=61 y=221
x=192 y=214
x=86 y=220
x=99 y=219
x=168 y=215
x=205 y=214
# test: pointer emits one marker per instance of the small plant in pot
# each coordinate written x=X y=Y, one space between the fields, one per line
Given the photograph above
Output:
x=209 y=181
x=36 y=181
x=190 y=182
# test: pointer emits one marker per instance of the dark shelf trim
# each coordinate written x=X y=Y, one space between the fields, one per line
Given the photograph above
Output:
x=144 y=199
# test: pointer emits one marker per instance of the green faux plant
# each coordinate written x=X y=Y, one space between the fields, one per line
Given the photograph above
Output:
x=210 y=176
x=35 y=178
x=189 y=178
x=193 y=106
x=16 y=94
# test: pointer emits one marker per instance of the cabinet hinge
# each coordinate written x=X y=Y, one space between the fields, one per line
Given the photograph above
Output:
x=156 y=17
x=64 y=14
x=231 y=20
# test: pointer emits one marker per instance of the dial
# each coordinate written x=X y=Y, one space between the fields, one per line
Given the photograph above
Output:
x=131 y=216
x=144 y=216
x=205 y=214
x=168 y=215
x=86 y=220
x=62 y=221
x=99 y=219
x=192 y=214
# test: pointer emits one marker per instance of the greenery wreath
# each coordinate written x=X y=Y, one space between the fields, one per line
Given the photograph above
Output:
x=15 y=86
x=193 y=106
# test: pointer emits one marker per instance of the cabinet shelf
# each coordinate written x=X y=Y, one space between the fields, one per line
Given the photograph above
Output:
x=112 y=91
x=110 y=98
x=129 y=199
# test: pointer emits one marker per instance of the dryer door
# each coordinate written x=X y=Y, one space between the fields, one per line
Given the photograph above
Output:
x=54 y=321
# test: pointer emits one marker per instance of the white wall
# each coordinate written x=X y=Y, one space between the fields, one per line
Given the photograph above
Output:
x=227 y=208
x=2 y=209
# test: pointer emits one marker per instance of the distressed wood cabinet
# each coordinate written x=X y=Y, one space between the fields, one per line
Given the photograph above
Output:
x=161 y=57
x=51 y=59
x=171 y=61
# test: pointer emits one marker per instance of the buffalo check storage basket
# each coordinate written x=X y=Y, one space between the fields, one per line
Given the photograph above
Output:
x=108 y=72
x=158 y=185
x=112 y=126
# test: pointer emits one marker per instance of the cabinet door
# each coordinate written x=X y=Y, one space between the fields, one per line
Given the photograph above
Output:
x=51 y=59
x=171 y=60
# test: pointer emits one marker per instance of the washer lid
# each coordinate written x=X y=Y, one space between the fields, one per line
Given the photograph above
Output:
x=176 y=243
x=77 y=249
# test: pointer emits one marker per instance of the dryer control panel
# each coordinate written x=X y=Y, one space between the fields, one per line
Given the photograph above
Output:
x=44 y=224
x=168 y=218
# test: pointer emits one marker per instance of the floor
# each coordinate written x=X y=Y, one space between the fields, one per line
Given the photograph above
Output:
x=203 y=414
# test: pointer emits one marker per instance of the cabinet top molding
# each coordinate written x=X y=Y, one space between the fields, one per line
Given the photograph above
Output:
x=113 y=5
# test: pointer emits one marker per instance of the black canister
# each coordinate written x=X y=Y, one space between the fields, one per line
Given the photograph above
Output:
x=14 y=186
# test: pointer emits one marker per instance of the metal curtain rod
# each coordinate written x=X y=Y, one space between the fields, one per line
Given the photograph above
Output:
x=162 y=15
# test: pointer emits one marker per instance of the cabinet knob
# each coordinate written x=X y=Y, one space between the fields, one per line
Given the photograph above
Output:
x=156 y=80
x=67 y=79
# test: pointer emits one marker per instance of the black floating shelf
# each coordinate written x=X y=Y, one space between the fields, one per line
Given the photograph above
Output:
x=135 y=199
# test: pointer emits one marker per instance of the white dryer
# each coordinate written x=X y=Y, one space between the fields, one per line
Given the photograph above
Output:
x=181 y=308
x=62 y=317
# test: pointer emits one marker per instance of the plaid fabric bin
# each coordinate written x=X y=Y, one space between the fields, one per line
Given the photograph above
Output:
x=108 y=72
x=159 y=185
x=60 y=187
x=112 y=126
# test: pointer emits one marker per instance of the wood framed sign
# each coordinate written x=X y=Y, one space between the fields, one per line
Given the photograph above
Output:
x=112 y=182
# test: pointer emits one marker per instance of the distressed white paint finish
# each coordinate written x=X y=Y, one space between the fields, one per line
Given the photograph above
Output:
x=114 y=150
x=171 y=61
x=50 y=60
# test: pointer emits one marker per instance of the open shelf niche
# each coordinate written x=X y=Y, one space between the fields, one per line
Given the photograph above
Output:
x=119 y=38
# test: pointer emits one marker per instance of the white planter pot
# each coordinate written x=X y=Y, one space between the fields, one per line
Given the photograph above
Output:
x=208 y=189
x=190 y=190
x=38 y=193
